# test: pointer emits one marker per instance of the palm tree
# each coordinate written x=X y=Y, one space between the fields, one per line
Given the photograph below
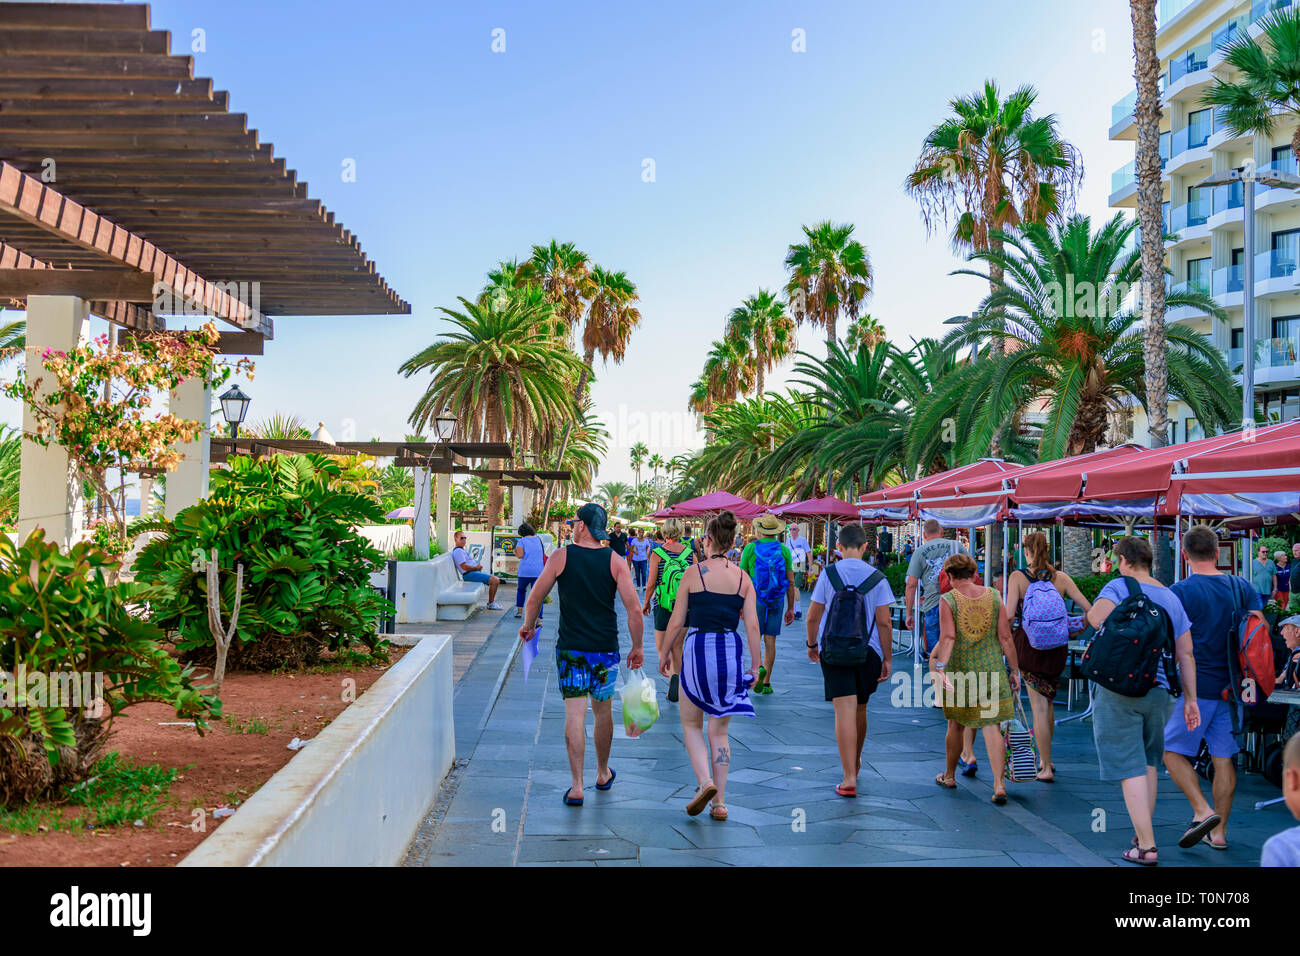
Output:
x=13 y=340
x=612 y=314
x=1268 y=86
x=992 y=165
x=638 y=457
x=655 y=463
x=728 y=371
x=740 y=456
x=1150 y=199
x=280 y=426
x=761 y=325
x=830 y=273
x=612 y=492
x=10 y=459
x=501 y=371
x=1083 y=358
x=864 y=332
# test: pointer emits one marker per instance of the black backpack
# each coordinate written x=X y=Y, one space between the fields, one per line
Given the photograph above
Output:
x=1127 y=649
x=847 y=637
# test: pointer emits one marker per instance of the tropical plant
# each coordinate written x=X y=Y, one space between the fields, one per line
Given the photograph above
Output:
x=306 y=572
x=1266 y=87
x=1149 y=169
x=637 y=457
x=94 y=404
x=761 y=326
x=62 y=621
x=13 y=340
x=864 y=332
x=278 y=426
x=741 y=456
x=992 y=165
x=830 y=275
x=501 y=372
x=11 y=452
x=1071 y=338
x=613 y=493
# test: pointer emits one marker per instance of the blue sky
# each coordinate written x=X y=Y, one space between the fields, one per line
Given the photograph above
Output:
x=465 y=157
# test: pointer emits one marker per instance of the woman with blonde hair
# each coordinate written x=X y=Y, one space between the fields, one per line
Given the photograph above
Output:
x=974 y=635
x=712 y=600
x=668 y=562
x=1041 y=668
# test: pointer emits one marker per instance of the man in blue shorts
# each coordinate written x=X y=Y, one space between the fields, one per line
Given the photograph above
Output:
x=770 y=565
x=588 y=575
x=1213 y=600
x=469 y=571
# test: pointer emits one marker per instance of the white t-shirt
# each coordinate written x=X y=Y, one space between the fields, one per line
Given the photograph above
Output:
x=460 y=558
x=854 y=571
x=800 y=544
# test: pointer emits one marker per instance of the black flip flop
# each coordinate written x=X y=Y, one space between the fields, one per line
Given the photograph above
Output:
x=610 y=782
x=672 y=689
x=1198 y=829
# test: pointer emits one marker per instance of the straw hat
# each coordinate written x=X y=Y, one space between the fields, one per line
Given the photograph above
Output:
x=768 y=526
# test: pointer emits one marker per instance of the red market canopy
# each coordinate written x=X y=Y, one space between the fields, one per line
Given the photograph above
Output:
x=826 y=507
x=713 y=503
x=897 y=502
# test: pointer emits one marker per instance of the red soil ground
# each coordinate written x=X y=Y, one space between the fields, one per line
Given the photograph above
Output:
x=221 y=769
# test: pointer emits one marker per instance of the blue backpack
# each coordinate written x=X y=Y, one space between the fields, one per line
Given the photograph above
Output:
x=769 y=573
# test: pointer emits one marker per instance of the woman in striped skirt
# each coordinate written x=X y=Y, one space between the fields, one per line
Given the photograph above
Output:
x=711 y=600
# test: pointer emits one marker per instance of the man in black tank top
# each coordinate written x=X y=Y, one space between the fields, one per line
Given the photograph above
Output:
x=588 y=575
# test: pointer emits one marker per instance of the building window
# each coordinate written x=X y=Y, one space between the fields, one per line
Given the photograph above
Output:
x=1198 y=275
x=1282 y=159
x=1192 y=429
x=1280 y=406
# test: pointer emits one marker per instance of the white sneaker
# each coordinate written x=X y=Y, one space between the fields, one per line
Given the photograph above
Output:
x=494 y=606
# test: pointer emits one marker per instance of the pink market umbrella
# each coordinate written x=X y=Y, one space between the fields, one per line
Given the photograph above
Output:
x=827 y=509
x=714 y=502
x=403 y=514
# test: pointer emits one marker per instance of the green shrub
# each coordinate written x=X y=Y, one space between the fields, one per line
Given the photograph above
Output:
x=60 y=616
x=1274 y=545
x=1091 y=584
x=896 y=575
x=306 y=572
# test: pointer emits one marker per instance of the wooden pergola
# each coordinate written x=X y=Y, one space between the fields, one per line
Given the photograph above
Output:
x=129 y=190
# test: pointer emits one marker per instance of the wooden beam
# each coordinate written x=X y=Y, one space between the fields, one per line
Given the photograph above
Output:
x=229 y=343
x=124 y=284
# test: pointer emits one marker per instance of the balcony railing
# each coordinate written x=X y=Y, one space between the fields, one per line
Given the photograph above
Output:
x=1125 y=106
x=1279 y=353
x=1171 y=8
x=1229 y=279
x=1193 y=136
x=1194 y=213
x=1276 y=263
x=1126 y=175
x=1259 y=9
x=1234 y=28
x=1193 y=61
x=1199 y=284
x=1229 y=196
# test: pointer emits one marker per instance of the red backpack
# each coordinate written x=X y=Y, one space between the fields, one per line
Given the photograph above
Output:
x=1252 y=656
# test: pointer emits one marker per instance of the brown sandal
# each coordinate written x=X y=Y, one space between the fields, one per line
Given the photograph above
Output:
x=702 y=797
x=718 y=812
x=1136 y=854
x=943 y=780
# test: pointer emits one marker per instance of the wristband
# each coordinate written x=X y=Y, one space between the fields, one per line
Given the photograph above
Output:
x=810 y=646
x=939 y=665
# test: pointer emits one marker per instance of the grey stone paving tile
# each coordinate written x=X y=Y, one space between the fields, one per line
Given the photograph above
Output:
x=704 y=832
x=651 y=833
x=588 y=848
x=783 y=834
x=1022 y=858
x=656 y=856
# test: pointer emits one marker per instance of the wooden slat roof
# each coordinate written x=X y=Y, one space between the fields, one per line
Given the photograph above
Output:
x=138 y=139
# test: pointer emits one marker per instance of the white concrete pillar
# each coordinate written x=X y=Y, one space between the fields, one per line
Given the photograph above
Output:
x=521 y=502
x=146 y=497
x=423 y=489
x=49 y=495
x=445 y=525
x=189 y=482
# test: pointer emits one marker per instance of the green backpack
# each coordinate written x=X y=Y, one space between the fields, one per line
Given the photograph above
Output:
x=671 y=569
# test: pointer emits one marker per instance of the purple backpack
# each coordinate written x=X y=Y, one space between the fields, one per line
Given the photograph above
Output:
x=1043 y=617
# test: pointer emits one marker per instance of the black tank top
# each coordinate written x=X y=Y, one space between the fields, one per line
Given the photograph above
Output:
x=712 y=612
x=587 y=589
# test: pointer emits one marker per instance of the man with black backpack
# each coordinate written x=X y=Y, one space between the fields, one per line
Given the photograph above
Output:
x=1216 y=603
x=770 y=565
x=1140 y=627
x=849 y=634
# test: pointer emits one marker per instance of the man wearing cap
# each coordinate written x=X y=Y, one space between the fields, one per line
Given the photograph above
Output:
x=588 y=575
x=1289 y=679
x=770 y=565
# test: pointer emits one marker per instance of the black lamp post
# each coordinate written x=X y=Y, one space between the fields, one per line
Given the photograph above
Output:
x=234 y=406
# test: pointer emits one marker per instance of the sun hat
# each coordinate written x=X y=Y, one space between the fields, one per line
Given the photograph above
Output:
x=768 y=526
x=593 y=516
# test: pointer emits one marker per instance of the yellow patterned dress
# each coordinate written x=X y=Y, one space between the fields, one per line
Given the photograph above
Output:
x=981 y=692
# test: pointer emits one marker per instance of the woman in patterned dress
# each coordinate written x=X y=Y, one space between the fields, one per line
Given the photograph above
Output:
x=968 y=669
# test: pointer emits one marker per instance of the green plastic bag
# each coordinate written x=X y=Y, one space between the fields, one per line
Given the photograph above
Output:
x=640 y=704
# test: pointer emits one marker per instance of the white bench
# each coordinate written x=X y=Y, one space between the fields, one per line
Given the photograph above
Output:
x=455 y=599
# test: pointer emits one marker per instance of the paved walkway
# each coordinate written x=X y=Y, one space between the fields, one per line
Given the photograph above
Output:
x=502 y=804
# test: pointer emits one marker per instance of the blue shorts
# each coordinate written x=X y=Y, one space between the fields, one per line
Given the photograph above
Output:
x=770 y=619
x=932 y=629
x=1215 y=730
x=587 y=673
x=478 y=577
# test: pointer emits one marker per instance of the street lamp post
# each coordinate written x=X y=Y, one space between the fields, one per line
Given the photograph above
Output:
x=1248 y=176
x=234 y=406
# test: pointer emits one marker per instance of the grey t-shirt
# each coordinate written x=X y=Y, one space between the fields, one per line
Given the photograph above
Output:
x=927 y=561
x=1283 y=849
